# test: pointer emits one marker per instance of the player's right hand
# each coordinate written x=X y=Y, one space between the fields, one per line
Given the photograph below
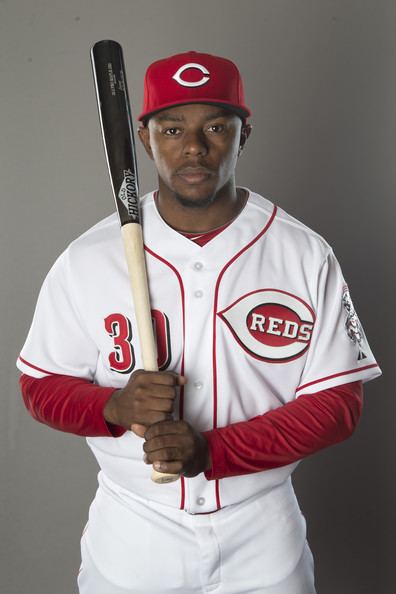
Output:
x=148 y=398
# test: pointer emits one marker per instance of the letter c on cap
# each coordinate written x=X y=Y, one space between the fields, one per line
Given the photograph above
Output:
x=177 y=77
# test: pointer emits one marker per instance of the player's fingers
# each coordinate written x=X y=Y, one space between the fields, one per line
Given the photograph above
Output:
x=144 y=407
x=161 y=404
x=145 y=396
x=172 y=447
x=167 y=378
x=139 y=430
x=154 y=417
x=148 y=396
x=174 y=467
x=169 y=454
x=162 y=391
x=182 y=380
x=142 y=377
x=166 y=428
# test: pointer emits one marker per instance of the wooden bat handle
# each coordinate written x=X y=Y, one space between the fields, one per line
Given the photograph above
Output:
x=132 y=238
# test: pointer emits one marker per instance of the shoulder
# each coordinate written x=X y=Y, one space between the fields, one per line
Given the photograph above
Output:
x=289 y=231
x=96 y=237
x=86 y=251
x=98 y=249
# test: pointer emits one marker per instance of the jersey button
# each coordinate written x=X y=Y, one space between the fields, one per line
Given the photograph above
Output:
x=198 y=293
x=198 y=385
x=201 y=501
x=198 y=265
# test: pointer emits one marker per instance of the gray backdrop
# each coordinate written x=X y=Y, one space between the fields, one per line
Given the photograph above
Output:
x=320 y=78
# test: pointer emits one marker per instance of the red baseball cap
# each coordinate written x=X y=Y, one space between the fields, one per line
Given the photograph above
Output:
x=193 y=77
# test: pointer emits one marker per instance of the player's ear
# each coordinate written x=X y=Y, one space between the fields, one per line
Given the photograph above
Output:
x=245 y=133
x=144 y=135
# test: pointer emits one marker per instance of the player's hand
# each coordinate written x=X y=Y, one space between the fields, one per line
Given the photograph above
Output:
x=147 y=398
x=177 y=448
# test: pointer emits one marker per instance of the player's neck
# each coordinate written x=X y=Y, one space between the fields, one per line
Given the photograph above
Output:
x=193 y=219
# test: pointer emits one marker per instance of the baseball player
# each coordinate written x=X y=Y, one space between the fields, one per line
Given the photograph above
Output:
x=261 y=356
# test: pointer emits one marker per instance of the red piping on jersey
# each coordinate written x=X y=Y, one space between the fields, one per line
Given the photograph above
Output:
x=329 y=377
x=216 y=296
x=181 y=400
x=35 y=367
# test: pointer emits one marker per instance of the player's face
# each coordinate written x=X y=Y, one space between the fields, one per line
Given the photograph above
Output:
x=195 y=149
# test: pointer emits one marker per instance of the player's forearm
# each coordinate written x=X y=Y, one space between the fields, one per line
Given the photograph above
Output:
x=286 y=434
x=69 y=404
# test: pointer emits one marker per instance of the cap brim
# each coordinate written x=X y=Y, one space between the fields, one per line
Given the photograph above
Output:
x=240 y=110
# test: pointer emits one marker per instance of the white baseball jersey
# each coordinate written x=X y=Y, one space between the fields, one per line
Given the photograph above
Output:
x=258 y=316
x=254 y=318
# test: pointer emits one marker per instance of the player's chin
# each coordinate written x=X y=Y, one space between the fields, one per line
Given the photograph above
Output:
x=195 y=195
x=195 y=202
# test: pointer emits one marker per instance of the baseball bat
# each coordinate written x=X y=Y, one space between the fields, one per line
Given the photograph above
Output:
x=119 y=145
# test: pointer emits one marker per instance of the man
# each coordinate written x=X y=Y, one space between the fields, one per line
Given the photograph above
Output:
x=260 y=361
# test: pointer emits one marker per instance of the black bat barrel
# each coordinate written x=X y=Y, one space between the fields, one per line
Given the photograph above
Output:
x=116 y=123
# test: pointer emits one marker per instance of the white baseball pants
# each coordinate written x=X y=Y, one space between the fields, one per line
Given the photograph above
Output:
x=141 y=547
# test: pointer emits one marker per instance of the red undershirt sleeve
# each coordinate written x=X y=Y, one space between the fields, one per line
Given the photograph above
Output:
x=277 y=438
x=287 y=434
x=69 y=404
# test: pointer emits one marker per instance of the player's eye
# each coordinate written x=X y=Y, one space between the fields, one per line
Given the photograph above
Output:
x=171 y=131
x=216 y=128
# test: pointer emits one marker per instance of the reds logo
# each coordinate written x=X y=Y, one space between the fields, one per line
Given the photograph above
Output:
x=271 y=325
x=192 y=65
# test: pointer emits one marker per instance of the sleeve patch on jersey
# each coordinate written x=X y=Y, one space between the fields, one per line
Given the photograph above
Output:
x=352 y=324
x=270 y=324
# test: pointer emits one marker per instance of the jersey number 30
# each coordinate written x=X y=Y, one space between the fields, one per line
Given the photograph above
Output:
x=119 y=327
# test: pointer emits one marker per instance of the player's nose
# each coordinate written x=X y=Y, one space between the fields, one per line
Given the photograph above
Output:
x=195 y=144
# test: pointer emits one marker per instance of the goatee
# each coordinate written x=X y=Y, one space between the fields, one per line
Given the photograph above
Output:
x=201 y=202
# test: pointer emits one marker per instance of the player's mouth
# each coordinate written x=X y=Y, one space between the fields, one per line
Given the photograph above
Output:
x=194 y=175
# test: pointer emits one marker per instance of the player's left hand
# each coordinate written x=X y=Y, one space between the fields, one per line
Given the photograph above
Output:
x=177 y=448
